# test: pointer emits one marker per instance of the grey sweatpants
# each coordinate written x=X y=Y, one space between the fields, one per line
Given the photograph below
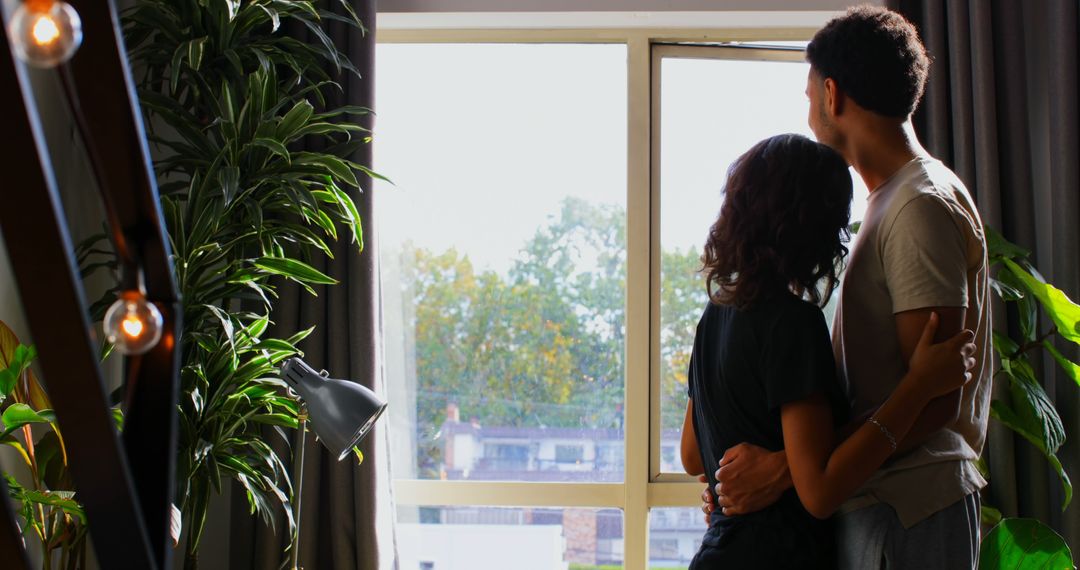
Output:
x=872 y=538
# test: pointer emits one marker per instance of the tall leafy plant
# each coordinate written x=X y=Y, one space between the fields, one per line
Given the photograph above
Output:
x=232 y=103
x=1029 y=411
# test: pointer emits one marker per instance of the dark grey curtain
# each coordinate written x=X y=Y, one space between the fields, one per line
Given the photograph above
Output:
x=1001 y=110
x=338 y=529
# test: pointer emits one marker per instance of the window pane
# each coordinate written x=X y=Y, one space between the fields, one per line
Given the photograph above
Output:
x=674 y=537
x=482 y=538
x=711 y=112
x=503 y=255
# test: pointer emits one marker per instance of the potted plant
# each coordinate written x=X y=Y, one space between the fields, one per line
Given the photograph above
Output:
x=231 y=103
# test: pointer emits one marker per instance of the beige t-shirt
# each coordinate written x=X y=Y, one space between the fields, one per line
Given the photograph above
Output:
x=920 y=245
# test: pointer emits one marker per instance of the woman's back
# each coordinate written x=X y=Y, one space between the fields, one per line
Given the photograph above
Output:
x=746 y=364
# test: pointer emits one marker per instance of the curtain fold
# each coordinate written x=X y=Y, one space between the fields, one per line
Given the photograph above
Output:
x=346 y=507
x=1001 y=109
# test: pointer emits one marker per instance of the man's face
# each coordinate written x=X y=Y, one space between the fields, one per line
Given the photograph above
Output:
x=817 y=119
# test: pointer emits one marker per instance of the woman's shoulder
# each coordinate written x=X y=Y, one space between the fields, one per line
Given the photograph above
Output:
x=784 y=309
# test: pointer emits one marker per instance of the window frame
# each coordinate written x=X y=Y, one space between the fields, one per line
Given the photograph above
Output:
x=643 y=487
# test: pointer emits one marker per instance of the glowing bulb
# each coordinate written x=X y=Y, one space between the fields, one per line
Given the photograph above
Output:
x=45 y=30
x=45 y=33
x=133 y=324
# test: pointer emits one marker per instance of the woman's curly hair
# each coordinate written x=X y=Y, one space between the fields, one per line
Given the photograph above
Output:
x=783 y=224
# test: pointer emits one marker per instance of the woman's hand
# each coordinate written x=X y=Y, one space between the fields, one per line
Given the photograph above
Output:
x=938 y=369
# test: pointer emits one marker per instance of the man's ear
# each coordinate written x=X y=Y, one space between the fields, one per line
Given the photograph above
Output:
x=834 y=98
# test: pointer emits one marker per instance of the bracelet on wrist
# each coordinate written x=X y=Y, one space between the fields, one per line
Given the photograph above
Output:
x=884 y=431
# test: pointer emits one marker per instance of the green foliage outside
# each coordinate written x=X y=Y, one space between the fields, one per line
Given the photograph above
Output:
x=543 y=345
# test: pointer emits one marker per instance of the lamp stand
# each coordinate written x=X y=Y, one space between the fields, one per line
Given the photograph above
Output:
x=298 y=481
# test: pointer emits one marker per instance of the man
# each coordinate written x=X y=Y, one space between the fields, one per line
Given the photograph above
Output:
x=920 y=249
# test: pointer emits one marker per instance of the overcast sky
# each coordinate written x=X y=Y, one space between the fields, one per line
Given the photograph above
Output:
x=484 y=141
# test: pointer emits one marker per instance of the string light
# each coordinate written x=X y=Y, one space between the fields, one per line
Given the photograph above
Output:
x=45 y=33
x=133 y=324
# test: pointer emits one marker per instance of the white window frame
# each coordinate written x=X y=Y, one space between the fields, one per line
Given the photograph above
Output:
x=644 y=487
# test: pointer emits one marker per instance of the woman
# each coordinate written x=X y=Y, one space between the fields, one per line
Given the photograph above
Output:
x=762 y=368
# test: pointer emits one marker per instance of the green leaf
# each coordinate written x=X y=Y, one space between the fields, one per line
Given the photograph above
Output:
x=1023 y=543
x=999 y=247
x=58 y=499
x=195 y=52
x=990 y=516
x=359 y=455
x=275 y=18
x=352 y=215
x=1033 y=416
x=226 y=325
x=334 y=165
x=275 y=419
x=12 y=442
x=1006 y=291
x=295 y=119
x=274 y=147
x=1062 y=310
x=234 y=8
x=1027 y=309
x=1006 y=347
x=1071 y=368
x=229 y=177
x=9 y=355
x=18 y=415
x=294 y=269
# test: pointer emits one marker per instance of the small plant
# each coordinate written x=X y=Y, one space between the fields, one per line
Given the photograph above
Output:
x=47 y=507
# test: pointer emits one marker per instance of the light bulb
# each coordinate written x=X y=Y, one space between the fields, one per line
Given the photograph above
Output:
x=45 y=33
x=133 y=324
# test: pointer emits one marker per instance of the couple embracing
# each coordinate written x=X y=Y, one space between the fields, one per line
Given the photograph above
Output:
x=859 y=451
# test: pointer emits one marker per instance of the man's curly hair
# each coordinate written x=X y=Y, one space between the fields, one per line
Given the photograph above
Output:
x=783 y=224
x=875 y=56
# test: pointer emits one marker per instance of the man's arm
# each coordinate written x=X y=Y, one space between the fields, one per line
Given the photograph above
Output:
x=943 y=411
x=752 y=478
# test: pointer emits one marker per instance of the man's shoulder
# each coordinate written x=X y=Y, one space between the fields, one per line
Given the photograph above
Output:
x=930 y=179
x=931 y=188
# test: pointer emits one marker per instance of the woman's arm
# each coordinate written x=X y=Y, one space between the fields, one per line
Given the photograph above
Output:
x=825 y=477
x=691 y=456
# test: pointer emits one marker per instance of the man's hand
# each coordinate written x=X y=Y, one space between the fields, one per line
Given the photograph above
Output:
x=750 y=478
x=707 y=503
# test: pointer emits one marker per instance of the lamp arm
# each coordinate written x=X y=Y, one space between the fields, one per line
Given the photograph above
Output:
x=298 y=481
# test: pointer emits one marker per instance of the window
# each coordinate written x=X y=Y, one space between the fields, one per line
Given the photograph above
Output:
x=503 y=276
x=506 y=457
x=569 y=454
x=704 y=125
x=536 y=254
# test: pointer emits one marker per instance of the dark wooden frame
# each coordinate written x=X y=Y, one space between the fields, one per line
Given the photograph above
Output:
x=126 y=483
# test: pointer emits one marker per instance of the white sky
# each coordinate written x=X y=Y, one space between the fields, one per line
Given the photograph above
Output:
x=484 y=141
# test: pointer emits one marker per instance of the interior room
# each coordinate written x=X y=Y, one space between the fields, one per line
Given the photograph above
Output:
x=479 y=284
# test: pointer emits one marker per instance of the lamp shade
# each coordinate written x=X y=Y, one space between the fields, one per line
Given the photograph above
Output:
x=341 y=412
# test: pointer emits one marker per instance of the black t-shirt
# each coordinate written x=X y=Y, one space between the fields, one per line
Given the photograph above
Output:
x=745 y=365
